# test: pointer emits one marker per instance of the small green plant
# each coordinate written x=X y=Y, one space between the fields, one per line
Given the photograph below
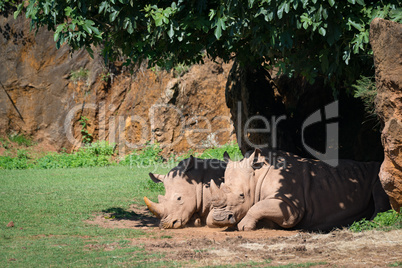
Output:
x=100 y=148
x=5 y=143
x=86 y=136
x=79 y=75
x=385 y=221
x=97 y=154
x=180 y=70
x=149 y=155
x=367 y=92
x=22 y=161
x=20 y=139
x=217 y=152
x=156 y=70
x=105 y=77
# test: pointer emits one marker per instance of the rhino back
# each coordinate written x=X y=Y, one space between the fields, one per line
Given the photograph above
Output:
x=326 y=197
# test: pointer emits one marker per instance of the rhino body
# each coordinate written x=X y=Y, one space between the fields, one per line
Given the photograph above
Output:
x=304 y=194
x=187 y=199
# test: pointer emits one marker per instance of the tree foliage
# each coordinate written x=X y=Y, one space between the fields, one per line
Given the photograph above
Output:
x=309 y=38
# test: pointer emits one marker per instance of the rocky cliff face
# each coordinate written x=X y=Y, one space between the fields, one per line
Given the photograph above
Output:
x=386 y=41
x=44 y=92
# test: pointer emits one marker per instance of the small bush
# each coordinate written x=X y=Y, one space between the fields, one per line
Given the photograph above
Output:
x=148 y=156
x=19 y=162
x=21 y=140
x=384 y=221
x=79 y=75
x=97 y=154
x=100 y=148
x=366 y=91
x=180 y=70
x=231 y=148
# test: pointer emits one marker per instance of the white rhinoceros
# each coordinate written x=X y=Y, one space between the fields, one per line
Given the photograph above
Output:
x=303 y=194
x=187 y=200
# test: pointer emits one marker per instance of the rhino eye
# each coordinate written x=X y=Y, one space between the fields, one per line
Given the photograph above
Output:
x=241 y=195
x=179 y=198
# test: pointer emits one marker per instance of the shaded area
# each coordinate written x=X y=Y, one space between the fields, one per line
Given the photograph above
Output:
x=286 y=103
x=139 y=218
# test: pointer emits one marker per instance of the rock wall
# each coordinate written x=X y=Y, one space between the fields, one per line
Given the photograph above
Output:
x=386 y=42
x=44 y=92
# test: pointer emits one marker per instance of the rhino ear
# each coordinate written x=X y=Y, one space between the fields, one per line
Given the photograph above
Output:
x=256 y=163
x=226 y=157
x=253 y=160
x=156 y=177
x=190 y=163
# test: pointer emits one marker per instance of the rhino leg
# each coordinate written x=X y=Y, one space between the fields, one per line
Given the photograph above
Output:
x=381 y=199
x=275 y=210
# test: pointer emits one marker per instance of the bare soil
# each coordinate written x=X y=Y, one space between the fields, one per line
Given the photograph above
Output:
x=205 y=246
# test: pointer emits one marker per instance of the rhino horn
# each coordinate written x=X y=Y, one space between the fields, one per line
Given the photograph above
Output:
x=216 y=193
x=155 y=208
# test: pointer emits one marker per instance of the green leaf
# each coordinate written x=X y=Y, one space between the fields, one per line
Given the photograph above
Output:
x=360 y=2
x=325 y=13
x=322 y=31
x=87 y=29
x=280 y=10
x=158 y=20
x=58 y=31
x=171 y=31
x=212 y=14
x=113 y=15
x=90 y=51
x=220 y=25
x=287 y=7
x=331 y=2
x=355 y=24
x=18 y=11
x=103 y=6
x=352 y=1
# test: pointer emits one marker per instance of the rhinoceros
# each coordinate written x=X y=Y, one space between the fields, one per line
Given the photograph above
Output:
x=301 y=194
x=187 y=200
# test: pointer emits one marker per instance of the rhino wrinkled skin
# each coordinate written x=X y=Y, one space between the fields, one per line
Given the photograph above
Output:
x=304 y=194
x=187 y=200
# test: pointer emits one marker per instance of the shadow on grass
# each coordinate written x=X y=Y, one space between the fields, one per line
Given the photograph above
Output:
x=141 y=219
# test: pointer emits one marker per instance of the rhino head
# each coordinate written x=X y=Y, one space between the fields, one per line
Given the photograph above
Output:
x=232 y=200
x=186 y=202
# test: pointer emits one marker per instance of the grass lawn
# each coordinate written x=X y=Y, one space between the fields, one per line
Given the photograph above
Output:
x=49 y=209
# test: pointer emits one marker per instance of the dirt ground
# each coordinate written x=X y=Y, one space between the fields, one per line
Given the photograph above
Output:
x=210 y=246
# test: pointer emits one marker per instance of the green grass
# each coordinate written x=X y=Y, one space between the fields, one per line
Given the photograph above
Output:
x=385 y=221
x=100 y=154
x=49 y=209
